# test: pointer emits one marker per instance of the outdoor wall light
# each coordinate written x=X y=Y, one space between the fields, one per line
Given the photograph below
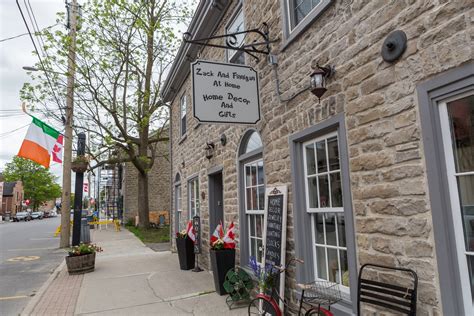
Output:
x=318 y=80
x=210 y=149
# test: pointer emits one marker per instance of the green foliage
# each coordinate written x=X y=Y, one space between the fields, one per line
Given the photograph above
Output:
x=84 y=249
x=151 y=235
x=38 y=183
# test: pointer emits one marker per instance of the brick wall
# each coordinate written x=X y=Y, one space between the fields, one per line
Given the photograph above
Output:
x=393 y=221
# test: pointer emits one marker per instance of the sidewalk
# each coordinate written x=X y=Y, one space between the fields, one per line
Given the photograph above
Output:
x=130 y=279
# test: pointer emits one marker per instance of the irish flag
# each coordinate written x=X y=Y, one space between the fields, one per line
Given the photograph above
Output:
x=39 y=142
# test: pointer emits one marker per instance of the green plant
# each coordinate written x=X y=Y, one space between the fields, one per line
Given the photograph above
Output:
x=182 y=234
x=130 y=222
x=80 y=159
x=84 y=249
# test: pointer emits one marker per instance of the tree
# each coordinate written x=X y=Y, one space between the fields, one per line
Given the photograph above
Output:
x=124 y=48
x=38 y=183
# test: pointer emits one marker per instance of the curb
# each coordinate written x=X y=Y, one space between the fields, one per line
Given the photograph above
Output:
x=34 y=301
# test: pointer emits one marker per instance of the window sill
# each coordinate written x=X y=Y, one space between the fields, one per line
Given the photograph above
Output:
x=182 y=139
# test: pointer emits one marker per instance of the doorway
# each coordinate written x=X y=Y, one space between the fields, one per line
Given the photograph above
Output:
x=216 y=200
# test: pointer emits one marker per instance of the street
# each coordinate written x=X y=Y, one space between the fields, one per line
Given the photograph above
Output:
x=28 y=255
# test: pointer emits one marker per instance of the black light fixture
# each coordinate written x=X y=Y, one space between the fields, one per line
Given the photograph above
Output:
x=318 y=80
x=210 y=150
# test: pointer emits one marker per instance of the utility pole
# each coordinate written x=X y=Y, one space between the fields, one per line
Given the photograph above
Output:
x=71 y=68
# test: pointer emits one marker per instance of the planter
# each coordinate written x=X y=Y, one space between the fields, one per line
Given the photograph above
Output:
x=79 y=166
x=185 y=248
x=80 y=264
x=221 y=262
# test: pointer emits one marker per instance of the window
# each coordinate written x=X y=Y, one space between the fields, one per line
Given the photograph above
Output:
x=236 y=25
x=446 y=116
x=183 y=115
x=255 y=206
x=299 y=14
x=252 y=196
x=324 y=203
x=178 y=203
x=193 y=196
x=457 y=127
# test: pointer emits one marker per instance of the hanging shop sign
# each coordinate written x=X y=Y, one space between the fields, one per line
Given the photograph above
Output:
x=225 y=93
x=274 y=243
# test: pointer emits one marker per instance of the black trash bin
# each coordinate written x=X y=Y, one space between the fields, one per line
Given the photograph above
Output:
x=85 y=231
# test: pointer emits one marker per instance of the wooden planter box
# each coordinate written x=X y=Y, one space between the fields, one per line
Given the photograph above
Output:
x=185 y=248
x=221 y=262
x=80 y=264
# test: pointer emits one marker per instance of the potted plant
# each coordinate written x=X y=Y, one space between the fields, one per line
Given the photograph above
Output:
x=185 y=247
x=79 y=164
x=222 y=255
x=266 y=275
x=81 y=258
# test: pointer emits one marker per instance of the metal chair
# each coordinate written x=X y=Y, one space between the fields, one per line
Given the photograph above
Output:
x=390 y=296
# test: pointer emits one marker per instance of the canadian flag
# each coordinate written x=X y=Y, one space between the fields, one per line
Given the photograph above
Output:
x=229 y=238
x=85 y=187
x=218 y=234
x=190 y=231
x=58 y=150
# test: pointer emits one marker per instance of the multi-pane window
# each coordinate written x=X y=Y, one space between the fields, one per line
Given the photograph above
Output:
x=182 y=107
x=299 y=9
x=178 y=207
x=457 y=125
x=322 y=170
x=235 y=26
x=193 y=196
x=255 y=206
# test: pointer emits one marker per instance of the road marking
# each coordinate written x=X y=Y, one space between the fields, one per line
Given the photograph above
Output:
x=25 y=258
x=12 y=297
x=32 y=249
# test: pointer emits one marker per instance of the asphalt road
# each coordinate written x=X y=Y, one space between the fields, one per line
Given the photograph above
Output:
x=28 y=255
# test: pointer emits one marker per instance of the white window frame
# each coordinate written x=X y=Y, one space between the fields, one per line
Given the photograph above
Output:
x=455 y=203
x=196 y=211
x=179 y=206
x=231 y=54
x=324 y=210
x=291 y=15
x=182 y=115
x=254 y=212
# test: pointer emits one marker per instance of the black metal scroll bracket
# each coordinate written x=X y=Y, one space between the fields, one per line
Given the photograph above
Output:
x=231 y=41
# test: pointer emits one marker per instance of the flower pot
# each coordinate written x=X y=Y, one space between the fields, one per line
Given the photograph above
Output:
x=79 y=166
x=80 y=264
x=185 y=248
x=221 y=262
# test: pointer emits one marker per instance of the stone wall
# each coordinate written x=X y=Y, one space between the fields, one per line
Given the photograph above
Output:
x=158 y=185
x=393 y=221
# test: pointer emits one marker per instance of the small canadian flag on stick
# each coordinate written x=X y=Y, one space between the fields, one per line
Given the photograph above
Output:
x=58 y=150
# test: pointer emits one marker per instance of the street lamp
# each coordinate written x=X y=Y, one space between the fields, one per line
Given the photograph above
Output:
x=29 y=68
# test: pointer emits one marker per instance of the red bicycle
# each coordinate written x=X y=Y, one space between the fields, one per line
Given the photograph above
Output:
x=313 y=295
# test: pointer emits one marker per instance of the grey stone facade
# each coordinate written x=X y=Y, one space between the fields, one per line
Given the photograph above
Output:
x=158 y=185
x=388 y=179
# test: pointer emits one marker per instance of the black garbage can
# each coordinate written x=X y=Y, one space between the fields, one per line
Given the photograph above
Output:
x=85 y=231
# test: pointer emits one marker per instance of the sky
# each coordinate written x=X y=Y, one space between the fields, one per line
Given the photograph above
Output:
x=14 y=54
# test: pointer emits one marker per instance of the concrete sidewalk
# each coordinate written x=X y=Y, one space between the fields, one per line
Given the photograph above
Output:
x=131 y=279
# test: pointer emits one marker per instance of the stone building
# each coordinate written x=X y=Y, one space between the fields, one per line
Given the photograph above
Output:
x=12 y=196
x=158 y=187
x=379 y=170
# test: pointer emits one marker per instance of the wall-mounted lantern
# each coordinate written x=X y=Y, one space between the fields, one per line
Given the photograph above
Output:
x=318 y=80
x=210 y=149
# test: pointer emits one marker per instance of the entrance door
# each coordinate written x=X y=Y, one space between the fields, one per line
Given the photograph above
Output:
x=216 y=200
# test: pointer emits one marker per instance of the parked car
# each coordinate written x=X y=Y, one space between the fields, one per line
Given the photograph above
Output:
x=53 y=213
x=37 y=215
x=22 y=216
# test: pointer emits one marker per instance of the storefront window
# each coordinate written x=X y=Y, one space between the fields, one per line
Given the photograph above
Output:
x=252 y=188
x=193 y=196
x=457 y=126
x=324 y=204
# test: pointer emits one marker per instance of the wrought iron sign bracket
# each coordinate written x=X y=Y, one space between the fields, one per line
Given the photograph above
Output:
x=258 y=46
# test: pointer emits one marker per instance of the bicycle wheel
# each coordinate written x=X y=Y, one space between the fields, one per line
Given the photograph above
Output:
x=262 y=307
x=318 y=312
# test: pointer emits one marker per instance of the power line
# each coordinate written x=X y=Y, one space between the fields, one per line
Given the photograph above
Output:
x=20 y=35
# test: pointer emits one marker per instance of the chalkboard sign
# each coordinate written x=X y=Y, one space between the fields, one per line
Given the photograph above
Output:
x=275 y=230
x=197 y=233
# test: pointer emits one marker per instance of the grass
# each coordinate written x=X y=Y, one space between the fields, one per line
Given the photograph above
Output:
x=151 y=235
